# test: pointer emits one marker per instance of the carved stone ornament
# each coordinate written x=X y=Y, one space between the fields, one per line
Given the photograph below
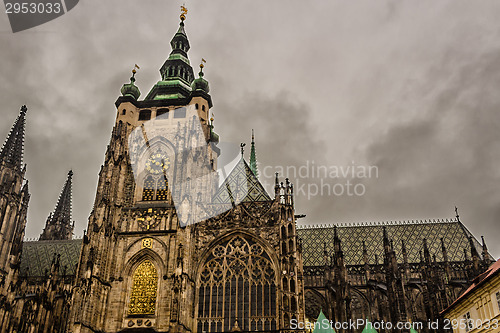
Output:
x=149 y=219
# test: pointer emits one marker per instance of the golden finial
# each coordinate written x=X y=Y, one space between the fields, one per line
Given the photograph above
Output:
x=133 y=69
x=203 y=61
x=184 y=11
x=212 y=119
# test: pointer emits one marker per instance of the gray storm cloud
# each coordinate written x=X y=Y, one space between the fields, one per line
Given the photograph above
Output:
x=410 y=87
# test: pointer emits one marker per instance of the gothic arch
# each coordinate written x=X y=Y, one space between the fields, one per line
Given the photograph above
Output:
x=143 y=254
x=237 y=285
x=360 y=305
x=154 y=187
x=314 y=302
x=153 y=253
x=237 y=232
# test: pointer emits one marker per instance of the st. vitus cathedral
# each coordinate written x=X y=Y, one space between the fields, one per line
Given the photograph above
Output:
x=172 y=247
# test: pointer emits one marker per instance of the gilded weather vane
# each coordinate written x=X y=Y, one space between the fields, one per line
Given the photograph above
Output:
x=184 y=12
x=134 y=71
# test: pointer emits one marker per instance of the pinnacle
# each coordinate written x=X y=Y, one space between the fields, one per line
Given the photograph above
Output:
x=12 y=150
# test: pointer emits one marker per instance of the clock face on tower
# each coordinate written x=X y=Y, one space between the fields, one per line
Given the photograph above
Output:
x=157 y=164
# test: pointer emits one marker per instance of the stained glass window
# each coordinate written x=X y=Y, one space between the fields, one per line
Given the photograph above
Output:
x=237 y=288
x=144 y=287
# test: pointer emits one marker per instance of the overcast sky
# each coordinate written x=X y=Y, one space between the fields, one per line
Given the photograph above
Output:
x=409 y=87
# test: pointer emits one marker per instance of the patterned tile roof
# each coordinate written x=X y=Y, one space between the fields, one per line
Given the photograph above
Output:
x=241 y=185
x=454 y=233
x=37 y=256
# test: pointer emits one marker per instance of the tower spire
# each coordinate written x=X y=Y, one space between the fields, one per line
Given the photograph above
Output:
x=12 y=150
x=176 y=73
x=59 y=225
x=253 y=157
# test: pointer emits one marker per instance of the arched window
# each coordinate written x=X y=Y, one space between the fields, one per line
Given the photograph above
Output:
x=292 y=285
x=284 y=250
x=162 y=189
x=145 y=115
x=144 y=288
x=148 y=191
x=293 y=304
x=237 y=288
x=290 y=230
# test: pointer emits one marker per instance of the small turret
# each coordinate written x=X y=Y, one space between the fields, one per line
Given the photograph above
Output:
x=200 y=84
x=130 y=89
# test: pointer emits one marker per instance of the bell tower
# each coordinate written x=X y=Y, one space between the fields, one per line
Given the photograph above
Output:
x=159 y=170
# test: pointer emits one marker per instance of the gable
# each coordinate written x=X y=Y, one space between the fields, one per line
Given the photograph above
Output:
x=241 y=185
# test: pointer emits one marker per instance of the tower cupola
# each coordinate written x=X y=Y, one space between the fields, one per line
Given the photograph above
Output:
x=176 y=73
x=130 y=89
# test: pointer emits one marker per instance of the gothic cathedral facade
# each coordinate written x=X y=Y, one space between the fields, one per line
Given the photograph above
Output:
x=160 y=253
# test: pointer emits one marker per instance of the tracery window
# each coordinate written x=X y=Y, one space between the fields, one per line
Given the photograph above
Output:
x=237 y=287
x=144 y=288
x=155 y=188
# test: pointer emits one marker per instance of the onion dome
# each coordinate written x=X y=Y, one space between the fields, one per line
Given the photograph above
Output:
x=200 y=84
x=130 y=89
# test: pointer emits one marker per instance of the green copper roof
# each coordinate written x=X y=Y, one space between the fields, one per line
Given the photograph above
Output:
x=130 y=89
x=453 y=232
x=322 y=320
x=176 y=69
x=200 y=84
x=37 y=256
x=369 y=328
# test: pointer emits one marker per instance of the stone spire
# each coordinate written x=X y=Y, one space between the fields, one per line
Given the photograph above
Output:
x=253 y=158
x=59 y=225
x=12 y=150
